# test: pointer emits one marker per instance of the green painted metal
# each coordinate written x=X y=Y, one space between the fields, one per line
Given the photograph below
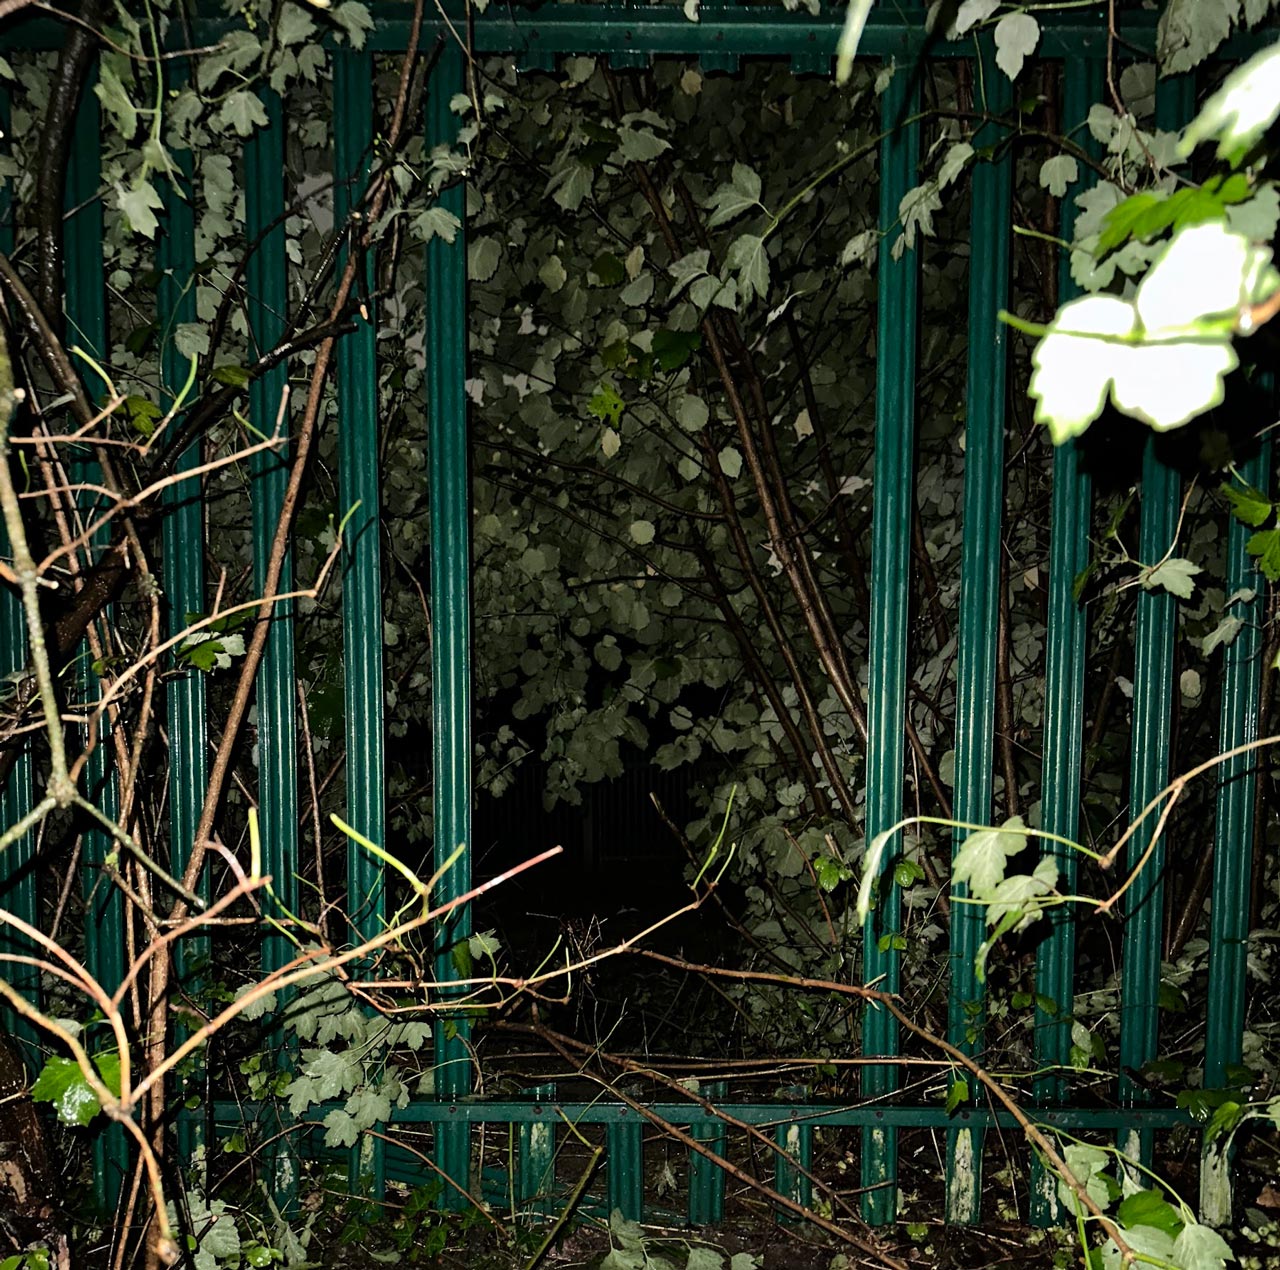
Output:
x=624 y=1165
x=536 y=1145
x=266 y=284
x=86 y=320
x=18 y=889
x=763 y=1115
x=1233 y=839
x=183 y=542
x=1066 y=654
x=1149 y=762
x=446 y=303
x=989 y=262
x=707 y=1180
x=899 y=290
x=791 y=1162
x=359 y=489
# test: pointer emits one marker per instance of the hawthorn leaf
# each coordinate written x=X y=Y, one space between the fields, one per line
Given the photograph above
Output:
x=1017 y=35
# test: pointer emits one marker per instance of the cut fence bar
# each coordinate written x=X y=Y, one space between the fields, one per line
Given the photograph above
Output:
x=898 y=290
x=1066 y=653
x=18 y=890
x=446 y=343
x=266 y=278
x=1149 y=753
x=706 y=1178
x=979 y=599
x=359 y=494
x=624 y=1167
x=1233 y=836
x=791 y=1164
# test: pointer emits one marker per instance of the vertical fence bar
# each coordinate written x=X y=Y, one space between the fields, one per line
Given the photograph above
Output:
x=1149 y=754
x=1066 y=653
x=86 y=314
x=624 y=1167
x=1233 y=837
x=979 y=598
x=18 y=890
x=183 y=542
x=707 y=1179
x=446 y=288
x=898 y=286
x=359 y=497
x=266 y=278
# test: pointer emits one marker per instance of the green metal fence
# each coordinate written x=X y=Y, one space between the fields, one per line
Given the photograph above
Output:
x=630 y=36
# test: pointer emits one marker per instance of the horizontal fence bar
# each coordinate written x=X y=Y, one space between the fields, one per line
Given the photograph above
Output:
x=755 y=31
x=757 y=1114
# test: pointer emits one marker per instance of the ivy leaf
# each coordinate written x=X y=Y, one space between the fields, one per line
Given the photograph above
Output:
x=1201 y=1248
x=1175 y=575
x=1017 y=35
x=983 y=855
x=1249 y=506
x=1058 y=173
x=957 y=1093
x=739 y=194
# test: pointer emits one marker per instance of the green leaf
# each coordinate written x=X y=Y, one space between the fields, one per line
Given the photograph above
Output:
x=1248 y=505
x=1150 y=1208
x=1175 y=575
x=1226 y=1116
x=62 y=1083
x=642 y=532
x=606 y=405
x=1201 y=1248
x=983 y=855
x=957 y=1093
x=739 y=194
x=671 y=349
x=243 y=112
x=1264 y=546
x=1017 y=35
x=607 y=270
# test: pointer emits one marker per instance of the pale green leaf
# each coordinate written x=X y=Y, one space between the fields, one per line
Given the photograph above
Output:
x=1189 y=30
x=243 y=112
x=731 y=462
x=295 y=26
x=340 y=1129
x=971 y=12
x=750 y=259
x=436 y=222
x=1175 y=575
x=355 y=20
x=958 y=157
x=739 y=194
x=115 y=99
x=642 y=532
x=1145 y=1240
x=1222 y=636
x=191 y=339
x=139 y=204
x=1017 y=35
x=483 y=255
x=1201 y=1248
x=983 y=855
x=692 y=413
x=871 y=871
x=1058 y=173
